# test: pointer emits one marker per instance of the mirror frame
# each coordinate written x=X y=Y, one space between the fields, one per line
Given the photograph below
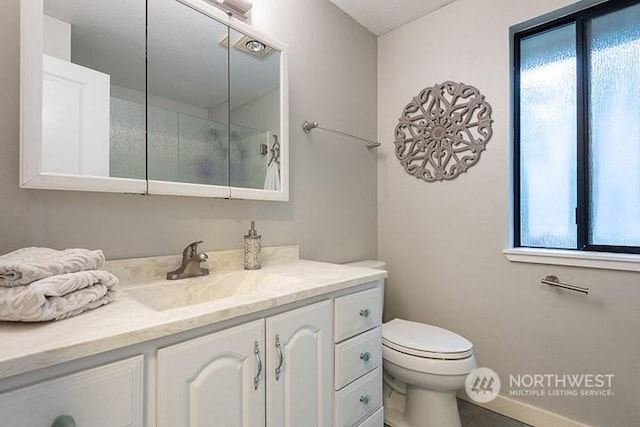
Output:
x=33 y=177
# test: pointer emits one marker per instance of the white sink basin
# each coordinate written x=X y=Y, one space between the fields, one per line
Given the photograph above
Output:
x=170 y=294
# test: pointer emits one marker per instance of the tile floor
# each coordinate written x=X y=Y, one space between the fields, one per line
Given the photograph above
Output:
x=475 y=416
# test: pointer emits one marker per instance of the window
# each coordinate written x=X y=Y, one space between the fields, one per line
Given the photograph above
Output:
x=577 y=131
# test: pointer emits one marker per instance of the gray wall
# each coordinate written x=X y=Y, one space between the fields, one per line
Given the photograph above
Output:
x=332 y=213
x=443 y=241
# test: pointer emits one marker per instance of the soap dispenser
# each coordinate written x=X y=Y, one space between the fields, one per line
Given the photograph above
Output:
x=252 y=249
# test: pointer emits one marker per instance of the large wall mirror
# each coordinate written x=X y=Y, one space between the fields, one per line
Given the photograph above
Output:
x=168 y=97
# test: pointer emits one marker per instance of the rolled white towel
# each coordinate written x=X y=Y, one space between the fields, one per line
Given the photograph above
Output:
x=57 y=297
x=27 y=265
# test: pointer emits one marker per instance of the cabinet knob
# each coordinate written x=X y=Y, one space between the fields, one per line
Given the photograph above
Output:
x=365 y=399
x=64 y=421
x=365 y=357
x=365 y=312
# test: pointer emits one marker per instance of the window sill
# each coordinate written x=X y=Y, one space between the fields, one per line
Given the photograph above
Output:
x=602 y=260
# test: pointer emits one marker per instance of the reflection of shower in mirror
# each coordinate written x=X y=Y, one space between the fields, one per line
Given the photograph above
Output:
x=220 y=144
x=205 y=168
x=240 y=149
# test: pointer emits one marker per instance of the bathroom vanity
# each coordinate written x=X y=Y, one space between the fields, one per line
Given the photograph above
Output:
x=297 y=343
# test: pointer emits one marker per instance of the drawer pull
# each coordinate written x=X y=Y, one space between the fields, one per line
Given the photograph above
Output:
x=256 y=379
x=365 y=399
x=280 y=358
x=64 y=421
x=365 y=357
x=365 y=313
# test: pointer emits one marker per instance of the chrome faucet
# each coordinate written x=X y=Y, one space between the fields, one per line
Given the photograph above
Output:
x=191 y=261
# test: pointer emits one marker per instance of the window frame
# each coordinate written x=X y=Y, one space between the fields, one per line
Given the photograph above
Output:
x=566 y=16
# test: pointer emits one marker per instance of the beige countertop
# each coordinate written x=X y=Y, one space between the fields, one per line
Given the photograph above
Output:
x=127 y=321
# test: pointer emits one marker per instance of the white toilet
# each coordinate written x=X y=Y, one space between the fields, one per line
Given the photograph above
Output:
x=424 y=367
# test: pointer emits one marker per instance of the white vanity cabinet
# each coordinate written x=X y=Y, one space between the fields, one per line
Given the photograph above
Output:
x=300 y=367
x=222 y=376
x=215 y=377
x=110 y=395
x=358 y=359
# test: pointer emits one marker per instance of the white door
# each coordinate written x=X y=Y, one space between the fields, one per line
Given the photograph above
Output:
x=299 y=371
x=75 y=119
x=215 y=380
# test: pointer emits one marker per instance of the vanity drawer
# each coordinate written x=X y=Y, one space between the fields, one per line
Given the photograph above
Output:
x=106 y=396
x=359 y=399
x=357 y=356
x=375 y=420
x=357 y=313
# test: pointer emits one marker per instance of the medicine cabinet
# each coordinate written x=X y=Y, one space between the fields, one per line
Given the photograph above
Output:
x=166 y=97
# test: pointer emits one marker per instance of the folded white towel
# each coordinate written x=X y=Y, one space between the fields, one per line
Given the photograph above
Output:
x=27 y=265
x=272 y=178
x=57 y=297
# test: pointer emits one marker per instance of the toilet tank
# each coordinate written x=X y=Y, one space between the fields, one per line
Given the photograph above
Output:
x=369 y=263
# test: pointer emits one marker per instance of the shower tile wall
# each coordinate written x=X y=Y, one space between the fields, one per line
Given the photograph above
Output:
x=127 y=150
x=163 y=145
x=184 y=148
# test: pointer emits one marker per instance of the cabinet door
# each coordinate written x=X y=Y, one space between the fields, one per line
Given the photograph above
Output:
x=105 y=396
x=300 y=367
x=215 y=380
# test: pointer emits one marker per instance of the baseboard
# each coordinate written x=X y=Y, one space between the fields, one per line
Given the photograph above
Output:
x=525 y=413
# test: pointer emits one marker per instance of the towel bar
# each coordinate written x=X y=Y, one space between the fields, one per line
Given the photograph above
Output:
x=307 y=126
x=553 y=280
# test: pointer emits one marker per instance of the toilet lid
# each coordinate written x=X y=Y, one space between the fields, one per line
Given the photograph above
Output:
x=422 y=340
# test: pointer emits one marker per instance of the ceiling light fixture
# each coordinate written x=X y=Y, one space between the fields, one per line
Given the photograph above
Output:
x=248 y=45
x=255 y=46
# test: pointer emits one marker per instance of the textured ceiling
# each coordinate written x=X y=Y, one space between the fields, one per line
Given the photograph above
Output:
x=381 y=16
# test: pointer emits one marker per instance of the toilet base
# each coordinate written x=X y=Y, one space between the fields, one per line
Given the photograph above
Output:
x=427 y=408
x=394 y=418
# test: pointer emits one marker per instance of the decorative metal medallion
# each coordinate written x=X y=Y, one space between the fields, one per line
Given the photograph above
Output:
x=442 y=131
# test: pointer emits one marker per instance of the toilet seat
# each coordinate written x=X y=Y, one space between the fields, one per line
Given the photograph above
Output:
x=426 y=365
x=425 y=341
